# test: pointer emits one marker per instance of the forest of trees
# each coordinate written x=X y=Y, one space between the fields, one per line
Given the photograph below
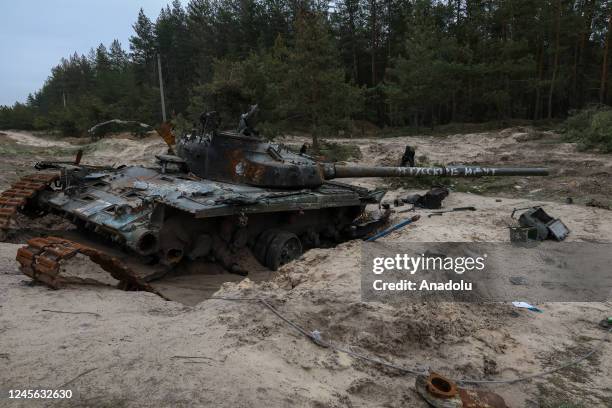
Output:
x=318 y=65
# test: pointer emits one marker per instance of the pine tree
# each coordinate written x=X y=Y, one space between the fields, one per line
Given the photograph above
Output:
x=315 y=85
x=143 y=48
x=118 y=58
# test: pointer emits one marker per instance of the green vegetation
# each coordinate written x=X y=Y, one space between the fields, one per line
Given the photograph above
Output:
x=335 y=152
x=425 y=66
x=591 y=128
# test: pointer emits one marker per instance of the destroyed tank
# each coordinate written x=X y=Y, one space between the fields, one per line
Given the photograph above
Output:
x=216 y=194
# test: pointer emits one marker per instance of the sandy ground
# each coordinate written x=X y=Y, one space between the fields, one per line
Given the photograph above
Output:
x=146 y=351
x=27 y=139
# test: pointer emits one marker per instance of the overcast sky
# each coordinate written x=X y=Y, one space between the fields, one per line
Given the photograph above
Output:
x=36 y=34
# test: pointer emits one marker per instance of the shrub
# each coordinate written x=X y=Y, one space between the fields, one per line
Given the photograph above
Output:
x=591 y=128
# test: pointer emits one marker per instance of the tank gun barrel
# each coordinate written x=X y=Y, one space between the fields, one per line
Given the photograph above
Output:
x=342 y=171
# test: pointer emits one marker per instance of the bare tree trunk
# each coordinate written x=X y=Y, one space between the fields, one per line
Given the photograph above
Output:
x=556 y=60
x=603 y=88
x=389 y=25
x=589 y=9
x=538 y=96
x=352 y=11
x=373 y=38
x=454 y=106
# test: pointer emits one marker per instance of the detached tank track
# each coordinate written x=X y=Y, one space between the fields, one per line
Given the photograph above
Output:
x=17 y=195
x=40 y=260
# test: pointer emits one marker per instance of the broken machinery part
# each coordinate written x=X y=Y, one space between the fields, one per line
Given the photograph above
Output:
x=16 y=196
x=442 y=392
x=545 y=226
x=40 y=260
x=432 y=199
x=275 y=248
x=522 y=234
x=165 y=132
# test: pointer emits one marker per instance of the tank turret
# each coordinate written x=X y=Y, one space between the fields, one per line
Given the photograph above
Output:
x=243 y=157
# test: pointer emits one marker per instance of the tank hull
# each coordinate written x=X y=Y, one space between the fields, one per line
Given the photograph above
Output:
x=176 y=217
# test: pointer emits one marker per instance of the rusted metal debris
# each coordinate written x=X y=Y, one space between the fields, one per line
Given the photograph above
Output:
x=16 y=196
x=442 y=392
x=165 y=131
x=40 y=260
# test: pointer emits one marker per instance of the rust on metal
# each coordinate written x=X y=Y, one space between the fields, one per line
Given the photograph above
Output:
x=441 y=386
x=40 y=260
x=12 y=199
x=165 y=131
x=442 y=392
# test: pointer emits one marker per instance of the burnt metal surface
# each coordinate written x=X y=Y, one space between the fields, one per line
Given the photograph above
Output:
x=243 y=157
x=138 y=189
x=442 y=392
x=174 y=216
x=237 y=158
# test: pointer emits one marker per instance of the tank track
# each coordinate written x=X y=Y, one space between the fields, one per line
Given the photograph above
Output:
x=19 y=193
x=40 y=260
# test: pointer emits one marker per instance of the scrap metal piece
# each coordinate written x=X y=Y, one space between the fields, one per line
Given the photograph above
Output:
x=40 y=260
x=522 y=234
x=546 y=226
x=442 y=392
x=432 y=199
x=165 y=131
x=451 y=210
x=19 y=193
x=558 y=230
x=393 y=228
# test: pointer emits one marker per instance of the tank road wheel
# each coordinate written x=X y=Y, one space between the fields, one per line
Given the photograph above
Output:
x=261 y=246
x=284 y=248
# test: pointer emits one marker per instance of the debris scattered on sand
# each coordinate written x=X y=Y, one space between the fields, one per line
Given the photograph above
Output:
x=525 y=305
x=536 y=224
x=431 y=199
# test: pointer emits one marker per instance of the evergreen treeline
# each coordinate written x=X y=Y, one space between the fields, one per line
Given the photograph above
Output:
x=317 y=64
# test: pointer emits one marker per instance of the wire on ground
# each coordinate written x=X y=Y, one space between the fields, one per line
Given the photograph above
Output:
x=315 y=337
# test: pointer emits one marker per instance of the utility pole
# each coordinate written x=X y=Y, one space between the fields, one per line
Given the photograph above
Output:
x=603 y=87
x=161 y=88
